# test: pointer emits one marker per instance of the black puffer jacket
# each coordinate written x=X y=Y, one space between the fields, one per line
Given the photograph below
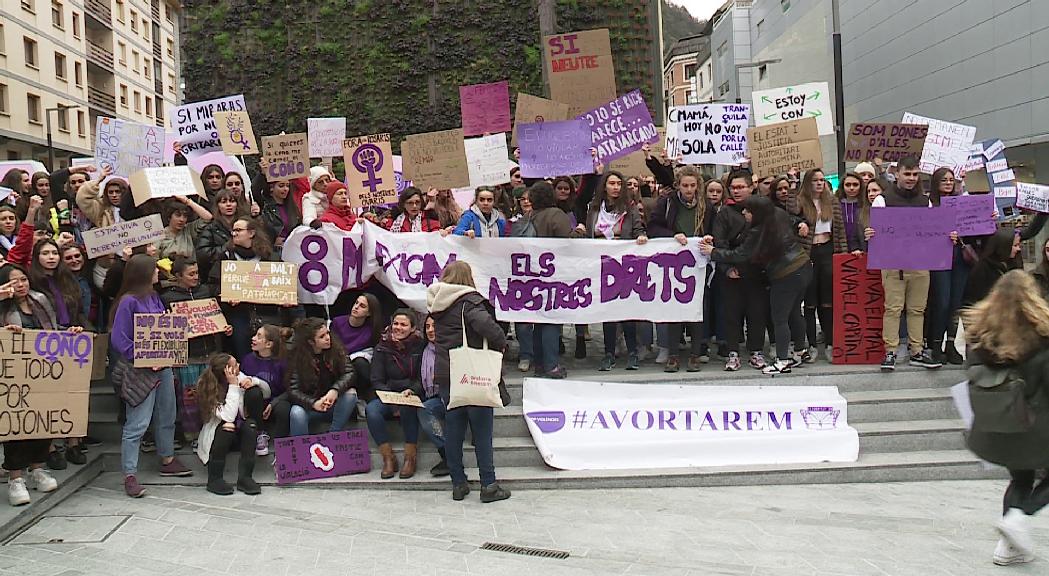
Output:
x=211 y=243
x=305 y=391
x=452 y=306
x=792 y=258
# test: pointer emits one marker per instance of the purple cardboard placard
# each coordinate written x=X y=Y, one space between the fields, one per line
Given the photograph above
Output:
x=975 y=213
x=551 y=149
x=485 y=108
x=620 y=127
x=911 y=238
x=300 y=458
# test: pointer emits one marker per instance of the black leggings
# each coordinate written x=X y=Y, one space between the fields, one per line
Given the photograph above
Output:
x=744 y=298
x=254 y=404
x=1023 y=494
x=819 y=298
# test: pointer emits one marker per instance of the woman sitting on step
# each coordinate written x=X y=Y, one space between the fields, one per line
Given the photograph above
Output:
x=232 y=402
x=395 y=368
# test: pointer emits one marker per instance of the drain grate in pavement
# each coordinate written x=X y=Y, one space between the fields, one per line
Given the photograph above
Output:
x=525 y=550
x=70 y=529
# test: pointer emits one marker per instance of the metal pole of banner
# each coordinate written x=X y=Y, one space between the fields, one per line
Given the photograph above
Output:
x=839 y=90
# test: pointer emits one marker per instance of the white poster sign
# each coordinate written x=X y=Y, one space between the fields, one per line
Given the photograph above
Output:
x=195 y=124
x=601 y=426
x=1032 y=197
x=527 y=280
x=948 y=144
x=128 y=147
x=810 y=100
x=487 y=158
x=708 y=133
x=325 y=136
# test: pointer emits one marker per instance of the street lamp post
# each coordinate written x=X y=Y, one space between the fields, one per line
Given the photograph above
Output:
x=50 y=148
x=758 y=64
x=839 y=88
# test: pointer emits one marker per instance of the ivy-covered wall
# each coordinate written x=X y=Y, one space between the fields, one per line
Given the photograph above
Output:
x=389 y=65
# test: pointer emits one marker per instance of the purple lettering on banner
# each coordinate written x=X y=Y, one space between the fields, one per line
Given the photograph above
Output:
x=411 y=268
x=315 y=249
x=550 y=149
x=911 y=238
x=534 y=295
x=521 y=265
x=328 y=455
x=620 y=280
x=621 y=126
x=975 y=213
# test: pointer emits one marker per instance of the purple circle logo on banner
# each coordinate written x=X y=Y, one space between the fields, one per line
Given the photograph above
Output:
x=368 y=158
x=548 y=422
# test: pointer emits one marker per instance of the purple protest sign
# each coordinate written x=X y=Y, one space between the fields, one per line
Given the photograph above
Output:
x=620 y=127
x=975 y=213
x=485 y=108
x=300 y=458
x=911 y=238
x=551 y=149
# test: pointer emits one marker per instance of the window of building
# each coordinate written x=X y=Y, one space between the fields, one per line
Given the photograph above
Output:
x=78 y=74
x=759 y=27
x=120 y=10
x=3 y=100
x=722 y=48
x=29 y=45
x=149 y=106
x=690 y=71
x=160 y=110
x=171 y=48
x=60 y=66
x=145 y=29
x=134 y=22
x=171 y=83
x=138 y=102
x=3 y=41
x=33 y=102
x=29 y=6
x=167 y=14
x=146 y=69
x=723 y=89
x=80 y=124
x=76 y=25
x=123 y=95
x=785 y=5
x=57 y=16
x=763 y=71
x=122 y=52
x=136 y=60
x=700 y=81
x=63 y=119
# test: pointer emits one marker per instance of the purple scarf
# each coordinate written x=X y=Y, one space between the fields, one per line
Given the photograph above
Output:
x=61 y=311
x=429 y=359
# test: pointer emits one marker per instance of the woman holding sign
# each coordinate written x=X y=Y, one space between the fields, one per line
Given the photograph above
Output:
x=101 y=207
x=946 y=287
x=396 y=368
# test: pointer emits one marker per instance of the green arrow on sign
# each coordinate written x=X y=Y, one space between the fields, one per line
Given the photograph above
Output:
x=790 y=89
x=815 y=113
x=770 y=116
x=815 y=96
x=766 y=100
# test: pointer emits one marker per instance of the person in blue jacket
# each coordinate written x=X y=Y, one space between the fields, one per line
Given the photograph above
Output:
x=483 y=220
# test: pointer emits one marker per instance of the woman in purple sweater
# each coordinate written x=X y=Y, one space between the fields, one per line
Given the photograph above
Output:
x=148 y=393
x=359 y=332
x=267 y=362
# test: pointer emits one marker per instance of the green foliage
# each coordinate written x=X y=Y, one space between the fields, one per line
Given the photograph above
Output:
x=678 y=23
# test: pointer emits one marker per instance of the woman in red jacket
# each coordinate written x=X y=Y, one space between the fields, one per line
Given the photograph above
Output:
x=339 y=212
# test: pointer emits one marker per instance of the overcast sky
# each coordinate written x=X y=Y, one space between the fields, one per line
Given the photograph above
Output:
x=701 y=9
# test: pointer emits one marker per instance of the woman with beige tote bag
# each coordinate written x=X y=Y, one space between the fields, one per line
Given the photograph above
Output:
x=468 y=337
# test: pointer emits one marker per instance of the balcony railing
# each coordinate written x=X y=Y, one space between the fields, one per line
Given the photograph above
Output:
x=99 y=55
x=100 y=10
x=101 y=100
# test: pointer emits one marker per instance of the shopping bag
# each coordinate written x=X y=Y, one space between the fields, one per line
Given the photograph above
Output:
x=475 y=375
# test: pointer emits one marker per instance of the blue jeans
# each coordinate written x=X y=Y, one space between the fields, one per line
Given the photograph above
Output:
x=158 y=406
x=378 y=413
x=547 y=346
x=946 y=288
x=338 y=415
x=481 y=421
x=524 y=332
x=431 y=420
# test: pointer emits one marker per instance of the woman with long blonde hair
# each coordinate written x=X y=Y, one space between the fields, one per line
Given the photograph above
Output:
x=1008 y=333
x=816 y=203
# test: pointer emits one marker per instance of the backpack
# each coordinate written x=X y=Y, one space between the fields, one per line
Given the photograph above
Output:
x=1001 y=400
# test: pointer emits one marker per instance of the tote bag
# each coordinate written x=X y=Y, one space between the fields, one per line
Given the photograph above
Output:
x=475 y=375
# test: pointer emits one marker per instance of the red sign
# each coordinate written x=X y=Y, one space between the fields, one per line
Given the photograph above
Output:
x=859 y=306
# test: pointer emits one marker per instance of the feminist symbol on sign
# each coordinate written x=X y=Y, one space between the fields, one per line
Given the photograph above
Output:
x=368 y=158
x=539 y=119
x=236 y=132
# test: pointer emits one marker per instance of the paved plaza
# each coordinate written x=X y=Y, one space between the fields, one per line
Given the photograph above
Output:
x=898 y=529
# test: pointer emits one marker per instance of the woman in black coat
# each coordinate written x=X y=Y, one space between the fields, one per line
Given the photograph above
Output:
x=395 y=367
x=999 y=256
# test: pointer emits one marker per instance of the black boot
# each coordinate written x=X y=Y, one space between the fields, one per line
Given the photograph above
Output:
x=441 y=469
x=953 y=356
x=937 y=350
x=217 y=463
x=246 y=466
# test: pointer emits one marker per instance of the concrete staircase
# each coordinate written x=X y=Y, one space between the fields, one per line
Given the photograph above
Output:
x=908 y=428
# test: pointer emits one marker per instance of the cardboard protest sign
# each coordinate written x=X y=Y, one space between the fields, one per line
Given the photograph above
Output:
x=286 y=157
x=259 y=282
x=488 y=160
x=127 y=147
x=947 y=143
x=45 y=376
x=535 y=110
x=99 y=356
x=235 y=132
x=437 y=159
x=890 y=142
x=911 y=238
x=196 y=127
x=398 y=399
x=620 y=127
x=708 y=133
x=633 y=164
x=793 y=103
x=127 y=234
x=203 y=317
x=780 y=159
x=299 y=458
x=160 y=341
x=370 y=177
x=781 y=134
x=555 y=148
x=975 y=213
x=1032 y=197
x=485 y=108
x=580 y=69
x=859 y=305
x=164 y=183
x=325 y=136
x=996 y=177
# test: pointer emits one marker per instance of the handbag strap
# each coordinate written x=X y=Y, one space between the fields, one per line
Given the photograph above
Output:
x=462 y=319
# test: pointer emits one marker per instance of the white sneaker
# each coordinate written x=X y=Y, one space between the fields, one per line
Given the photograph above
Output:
x=663 y=355
x=828 y=351
x=262 y=444
x=524 y=365
x=17 y=493
x=43 y=480
x=1006 y=554
x=1013 y=528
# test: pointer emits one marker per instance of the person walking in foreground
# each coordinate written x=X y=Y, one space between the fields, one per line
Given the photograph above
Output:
x=1008 y=335
x=457 y=307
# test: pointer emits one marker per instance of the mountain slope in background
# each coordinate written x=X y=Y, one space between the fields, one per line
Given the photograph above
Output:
x=678 y=23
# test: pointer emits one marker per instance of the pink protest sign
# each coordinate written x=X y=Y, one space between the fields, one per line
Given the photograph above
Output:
x=912 y=238
x=485 y=108
x=300 y=458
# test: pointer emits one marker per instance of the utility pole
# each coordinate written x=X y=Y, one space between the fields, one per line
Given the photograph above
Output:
x=839 y=89
x=547 y=27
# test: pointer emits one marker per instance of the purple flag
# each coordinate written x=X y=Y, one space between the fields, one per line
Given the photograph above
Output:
x=975 y=213
x=328 y=455
x=620 y=127
x=911 y=238
x=485 y=108
x=551 y=149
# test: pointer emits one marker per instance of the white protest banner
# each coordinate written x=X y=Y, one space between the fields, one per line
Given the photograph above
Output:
x=128 y=234
x=487 y=158
x=602 y=426
x=1032 y=197
x=810 y=100
x=127 y=147
x=527 y=280
x=708 y=133
x=325 y=136
x=164 y=183
x=195 y=123
x=620 y=127
x=947 y=144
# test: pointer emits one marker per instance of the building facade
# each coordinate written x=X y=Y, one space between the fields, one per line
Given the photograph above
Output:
x=687 y=72
x=115 y=58
x=730 y=45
